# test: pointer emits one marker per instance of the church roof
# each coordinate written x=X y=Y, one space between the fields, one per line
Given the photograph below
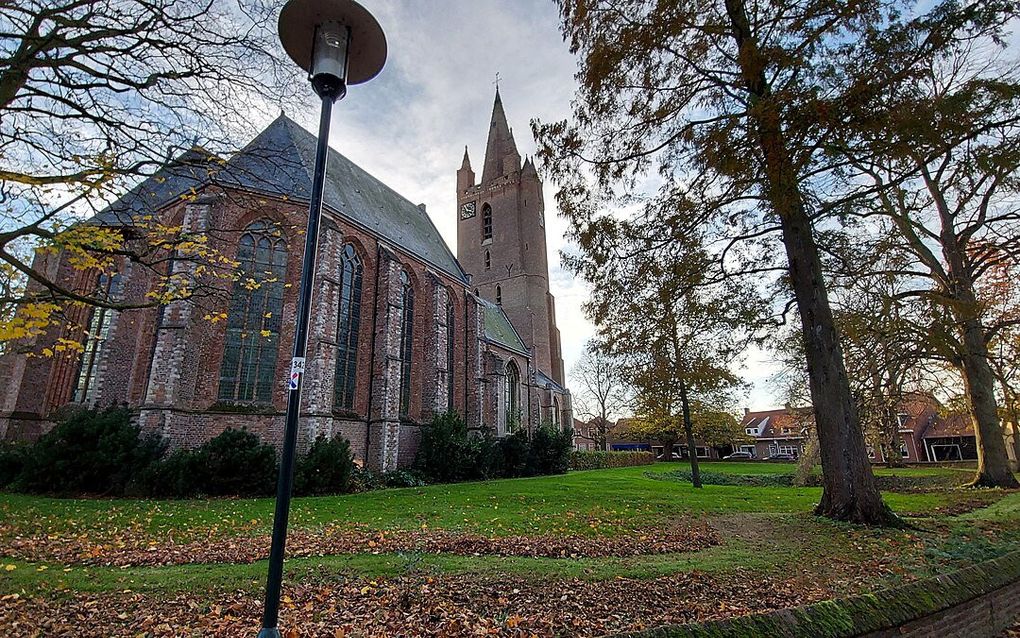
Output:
x=280 y=161
x=544 y=380
x=499 y=329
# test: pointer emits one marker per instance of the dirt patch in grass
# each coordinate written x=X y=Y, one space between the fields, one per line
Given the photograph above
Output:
x=140 y=550
x=414 y=606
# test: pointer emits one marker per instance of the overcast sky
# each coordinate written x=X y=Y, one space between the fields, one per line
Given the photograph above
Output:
x=409 y=126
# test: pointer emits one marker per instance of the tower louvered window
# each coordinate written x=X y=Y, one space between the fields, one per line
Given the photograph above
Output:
x=406 y=341
x=486 y=222
x=96 y=333
x=347 y=324
x=253 y=320
x=488 y=260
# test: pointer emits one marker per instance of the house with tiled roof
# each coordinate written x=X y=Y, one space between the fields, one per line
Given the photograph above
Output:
x=772 y=432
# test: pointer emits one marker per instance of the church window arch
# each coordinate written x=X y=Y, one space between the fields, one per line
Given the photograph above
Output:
x=450 y=335
x=488 y=260
x=511 y=396
x=556 y=412
x=486 y=222
x=96 y=333
x=347 y=324
x=406 y=340
x=499 y=294
x=248 y=370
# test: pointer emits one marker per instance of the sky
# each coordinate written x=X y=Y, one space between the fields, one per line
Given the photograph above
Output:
x=408 y=126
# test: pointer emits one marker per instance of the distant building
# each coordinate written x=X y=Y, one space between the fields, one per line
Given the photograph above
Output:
x=927 y=435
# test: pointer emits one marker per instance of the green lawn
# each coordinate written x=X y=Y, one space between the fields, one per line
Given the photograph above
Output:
x=764 y=529
x=593 y=502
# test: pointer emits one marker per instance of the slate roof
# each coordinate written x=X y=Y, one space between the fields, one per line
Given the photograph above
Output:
x=498 y=328
x=543 y=380
x=179 y=176
x=280 y=161
x=951 y=425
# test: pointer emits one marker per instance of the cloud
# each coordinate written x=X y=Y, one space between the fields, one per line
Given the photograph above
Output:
x=409 y=126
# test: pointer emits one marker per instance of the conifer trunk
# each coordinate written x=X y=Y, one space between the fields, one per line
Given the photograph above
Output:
x=849 y=491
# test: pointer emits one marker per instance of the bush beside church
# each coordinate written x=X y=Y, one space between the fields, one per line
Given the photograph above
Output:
x=102 y=452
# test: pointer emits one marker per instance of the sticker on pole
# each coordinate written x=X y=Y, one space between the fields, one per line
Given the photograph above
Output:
x=297 y=368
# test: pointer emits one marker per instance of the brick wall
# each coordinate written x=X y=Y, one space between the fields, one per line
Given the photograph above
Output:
x=979 y=601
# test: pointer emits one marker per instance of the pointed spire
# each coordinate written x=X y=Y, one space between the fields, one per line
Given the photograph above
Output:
x=466 y=164
x=529 y=169
x=501 y=156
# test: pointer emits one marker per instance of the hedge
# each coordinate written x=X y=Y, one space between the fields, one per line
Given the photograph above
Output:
x=584 y=460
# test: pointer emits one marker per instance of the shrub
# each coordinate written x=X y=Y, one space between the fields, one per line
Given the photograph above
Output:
x=326 y=469
x=12 y=460
x=179 y=475
x=237 y=463
x=446 y=453
x=585 y=460
x=512 y=454
x=92 y=451
x=549 y=452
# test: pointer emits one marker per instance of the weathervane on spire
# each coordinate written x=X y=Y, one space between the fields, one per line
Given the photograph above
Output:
x=497 y=81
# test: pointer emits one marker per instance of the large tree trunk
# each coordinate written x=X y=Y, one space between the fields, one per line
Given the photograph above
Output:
x=993 y=462
x=692 y=448
x=849 y=492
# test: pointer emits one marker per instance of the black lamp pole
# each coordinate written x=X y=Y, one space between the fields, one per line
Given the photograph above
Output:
x=339 y=43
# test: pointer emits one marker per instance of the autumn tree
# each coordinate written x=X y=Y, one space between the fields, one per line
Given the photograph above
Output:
x=943 y=153
x=732 y=103
x=96 y=95
x=677 y=332
x=600 y=391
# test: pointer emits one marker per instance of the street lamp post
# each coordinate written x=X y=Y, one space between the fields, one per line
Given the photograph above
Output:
x=338 y=43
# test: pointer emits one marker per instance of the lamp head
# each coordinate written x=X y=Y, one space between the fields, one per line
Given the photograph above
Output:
x=338 y=42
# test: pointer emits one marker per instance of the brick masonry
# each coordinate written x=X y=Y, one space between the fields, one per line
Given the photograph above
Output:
x=979 y=601
x=165 y=362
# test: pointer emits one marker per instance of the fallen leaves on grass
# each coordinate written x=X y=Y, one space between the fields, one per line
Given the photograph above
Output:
x=140 y=550
x=415 y=606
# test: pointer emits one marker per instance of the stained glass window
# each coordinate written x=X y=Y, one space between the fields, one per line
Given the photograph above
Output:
x=449 y=349
x=406 y=341
x=253 y=321
x=511 y=396
x=347 y=324
x=95 y=339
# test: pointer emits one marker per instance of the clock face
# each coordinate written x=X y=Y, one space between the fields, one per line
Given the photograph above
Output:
x=467 y=211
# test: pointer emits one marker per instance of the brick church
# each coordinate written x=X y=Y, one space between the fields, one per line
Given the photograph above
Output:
x=401 y=329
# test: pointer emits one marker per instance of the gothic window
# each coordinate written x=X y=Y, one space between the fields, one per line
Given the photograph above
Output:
x=556 y=412
x=511 y=396
x=499 y=295
x=253 y=321
x=449 y=349
x=347 y=323
x=406 y=341
x=488 y=260
x=486 y=222
x=95 y=339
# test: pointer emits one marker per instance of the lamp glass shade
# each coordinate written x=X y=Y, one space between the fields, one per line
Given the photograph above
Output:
x=299 y=27
x=329 y=53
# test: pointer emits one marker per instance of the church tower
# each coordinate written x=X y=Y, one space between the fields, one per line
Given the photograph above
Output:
x=501 y=241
